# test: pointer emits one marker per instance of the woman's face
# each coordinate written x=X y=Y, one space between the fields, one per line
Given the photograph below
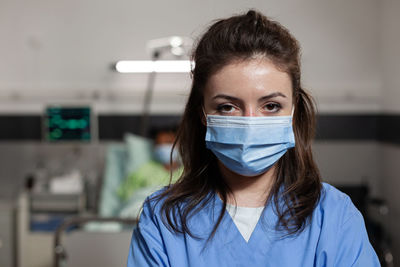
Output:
x=252 y=87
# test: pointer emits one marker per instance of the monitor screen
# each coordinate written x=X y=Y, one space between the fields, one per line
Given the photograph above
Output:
x=68 y=124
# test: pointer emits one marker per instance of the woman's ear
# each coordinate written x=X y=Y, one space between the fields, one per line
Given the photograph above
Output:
x=203 y=116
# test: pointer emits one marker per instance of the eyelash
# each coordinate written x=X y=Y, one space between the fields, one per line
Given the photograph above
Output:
x=276 y=106
x=222 y=106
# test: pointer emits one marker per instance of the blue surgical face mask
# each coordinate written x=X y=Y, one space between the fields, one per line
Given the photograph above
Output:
x=249 y=145
x=162 y=153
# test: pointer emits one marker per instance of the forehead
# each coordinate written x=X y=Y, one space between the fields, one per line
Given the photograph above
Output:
x=165 y=137
x=249 y=77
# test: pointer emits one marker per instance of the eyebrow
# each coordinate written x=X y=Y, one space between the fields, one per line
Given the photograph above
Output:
x=276 y=94
x=232 y=98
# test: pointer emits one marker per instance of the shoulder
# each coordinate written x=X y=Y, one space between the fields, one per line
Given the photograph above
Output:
x=147 y=244
x=156 y=205
x=150 y=218
x=331 y=194
x=153 y=203
x=342 y=236
x=335 y=205
x=164 y=210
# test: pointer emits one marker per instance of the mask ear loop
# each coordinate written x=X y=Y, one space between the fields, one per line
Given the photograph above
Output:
x=292 y=111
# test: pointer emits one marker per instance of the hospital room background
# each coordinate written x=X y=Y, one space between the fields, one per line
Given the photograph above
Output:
x=78 y=122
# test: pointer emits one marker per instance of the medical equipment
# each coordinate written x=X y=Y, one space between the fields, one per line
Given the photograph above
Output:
x=67 y=123
x=106 y=232
x=103 y=254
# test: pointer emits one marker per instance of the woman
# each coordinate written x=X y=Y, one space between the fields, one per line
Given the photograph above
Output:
x=250 y=193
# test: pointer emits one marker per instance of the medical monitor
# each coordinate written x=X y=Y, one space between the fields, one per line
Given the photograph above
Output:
x=62 y=123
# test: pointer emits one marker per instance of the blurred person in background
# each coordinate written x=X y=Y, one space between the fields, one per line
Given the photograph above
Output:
x=156 y=173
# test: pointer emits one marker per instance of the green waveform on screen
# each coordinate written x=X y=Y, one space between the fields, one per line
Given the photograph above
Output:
x=64 y=123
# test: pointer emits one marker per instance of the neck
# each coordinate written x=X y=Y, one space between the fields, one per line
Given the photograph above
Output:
x=248 y=191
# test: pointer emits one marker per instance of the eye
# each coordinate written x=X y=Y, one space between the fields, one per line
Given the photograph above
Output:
x=226 y=108
x=272 y=107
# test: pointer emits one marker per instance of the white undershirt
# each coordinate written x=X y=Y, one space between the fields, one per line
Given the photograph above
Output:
x=245 y=219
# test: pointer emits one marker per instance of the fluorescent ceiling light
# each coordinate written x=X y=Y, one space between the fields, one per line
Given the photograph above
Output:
x=146 y=66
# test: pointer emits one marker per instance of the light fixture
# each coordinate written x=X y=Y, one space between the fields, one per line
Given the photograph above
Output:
x=159 y=66
x=177 y=46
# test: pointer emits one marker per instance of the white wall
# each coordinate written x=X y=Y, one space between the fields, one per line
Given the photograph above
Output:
x=391 y=104
x=62 y=50
x=390 y=36
x=349 y=162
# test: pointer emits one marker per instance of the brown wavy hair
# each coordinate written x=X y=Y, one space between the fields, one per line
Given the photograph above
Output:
x=297 y=179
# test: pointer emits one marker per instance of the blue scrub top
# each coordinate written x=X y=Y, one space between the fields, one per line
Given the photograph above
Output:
x=336 y=236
